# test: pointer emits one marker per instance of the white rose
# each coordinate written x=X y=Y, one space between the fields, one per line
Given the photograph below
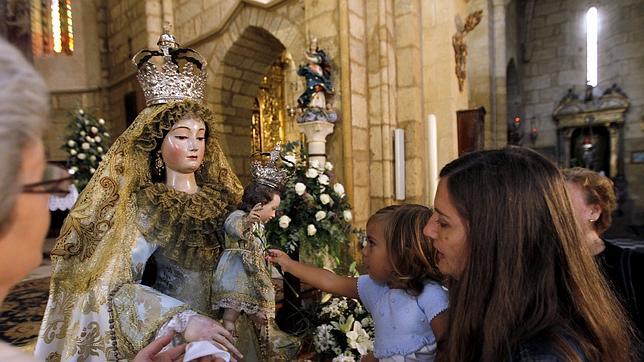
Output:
x=285 y=221
x=81 y=156
x=328 y=166
x=339 y=189
x=72 y=152
x=71 y=143
x=105 y=134
x=92 y=170
x=101 y=121
x=311 y=173
x=85 y=146
x=300 y=188
x=82 y=133
x=323 y=179
x=315 y=164
x=94 y=130
x=99 y=149
x=320 y=215
x=92 y=158
x=346 y=214
x=97 y=139
x=311 y=230
x=71 y=171
x=325 y=199
x=74 y=168
x=80 y=111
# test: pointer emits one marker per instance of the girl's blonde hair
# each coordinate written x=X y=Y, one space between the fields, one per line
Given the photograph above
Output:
x=410 y=252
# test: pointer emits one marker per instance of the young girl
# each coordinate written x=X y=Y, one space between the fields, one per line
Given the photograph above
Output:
x=402 y=290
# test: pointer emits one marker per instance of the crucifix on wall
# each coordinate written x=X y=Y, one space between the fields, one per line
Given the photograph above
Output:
x=460 y=48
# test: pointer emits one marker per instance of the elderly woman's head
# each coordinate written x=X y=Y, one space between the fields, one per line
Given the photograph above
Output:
x=24 y=217
x=593 y=198
x=504 y=231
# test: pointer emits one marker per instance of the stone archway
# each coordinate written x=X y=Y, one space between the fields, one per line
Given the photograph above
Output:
x=253 y=41
x=244 y=66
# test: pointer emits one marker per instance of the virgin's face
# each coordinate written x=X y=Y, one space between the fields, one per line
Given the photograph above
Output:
x=184 y=146
x=21 y=243
x=268 y=210
x=447 y=229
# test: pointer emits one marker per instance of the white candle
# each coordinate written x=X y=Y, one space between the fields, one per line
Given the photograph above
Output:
x=432 y=157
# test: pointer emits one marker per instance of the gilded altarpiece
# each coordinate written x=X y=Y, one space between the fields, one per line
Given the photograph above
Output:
x=269 y=113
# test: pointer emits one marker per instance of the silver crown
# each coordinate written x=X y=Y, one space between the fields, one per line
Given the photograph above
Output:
x=182 y=74
x=268 y=169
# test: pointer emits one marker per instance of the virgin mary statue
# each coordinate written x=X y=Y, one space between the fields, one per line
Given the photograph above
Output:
x=162 y=191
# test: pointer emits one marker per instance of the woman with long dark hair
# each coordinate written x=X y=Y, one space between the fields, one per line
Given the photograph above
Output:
x=520 y=286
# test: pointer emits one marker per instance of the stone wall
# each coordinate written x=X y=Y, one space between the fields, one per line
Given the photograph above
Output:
x=555 y=60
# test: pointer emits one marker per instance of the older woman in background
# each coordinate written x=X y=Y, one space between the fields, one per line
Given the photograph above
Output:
x=26 y=181
x=593 y=199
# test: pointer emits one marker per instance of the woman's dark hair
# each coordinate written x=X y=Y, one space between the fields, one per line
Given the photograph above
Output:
x=526 y=277
x=256 y=193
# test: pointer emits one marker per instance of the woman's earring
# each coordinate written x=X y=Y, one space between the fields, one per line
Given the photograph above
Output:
x=591 y=221
x=158 y=164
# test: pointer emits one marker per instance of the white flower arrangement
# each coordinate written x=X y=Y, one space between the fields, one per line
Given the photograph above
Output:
x=344 y=330
x=82 y=145
x=318 y=228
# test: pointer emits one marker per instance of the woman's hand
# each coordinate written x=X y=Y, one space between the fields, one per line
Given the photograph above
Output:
x=279 y=257
x=202 y=328
x=151 y=353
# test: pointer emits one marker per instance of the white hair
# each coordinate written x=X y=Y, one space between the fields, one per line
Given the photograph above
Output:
x=24 y=106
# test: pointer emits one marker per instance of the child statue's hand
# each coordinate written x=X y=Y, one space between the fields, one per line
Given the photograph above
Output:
x=253 y=215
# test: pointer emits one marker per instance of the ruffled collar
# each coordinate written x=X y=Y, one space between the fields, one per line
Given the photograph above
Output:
x=187 y=226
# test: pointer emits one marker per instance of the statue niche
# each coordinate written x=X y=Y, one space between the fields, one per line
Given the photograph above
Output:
x=590 y=130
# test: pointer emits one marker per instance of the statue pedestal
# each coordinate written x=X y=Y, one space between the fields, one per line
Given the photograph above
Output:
x=316 y=133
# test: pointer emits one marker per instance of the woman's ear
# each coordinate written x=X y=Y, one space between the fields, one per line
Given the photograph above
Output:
x=595 y=211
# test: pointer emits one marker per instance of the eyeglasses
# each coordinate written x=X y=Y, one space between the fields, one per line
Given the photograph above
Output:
x=55 y=181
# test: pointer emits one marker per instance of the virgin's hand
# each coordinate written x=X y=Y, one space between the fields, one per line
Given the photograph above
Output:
x=202 y=328
x=278 y=257
x=151 y=352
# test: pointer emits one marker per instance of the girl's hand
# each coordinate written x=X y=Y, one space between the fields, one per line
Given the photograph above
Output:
x=279 y=257
x=202 y=328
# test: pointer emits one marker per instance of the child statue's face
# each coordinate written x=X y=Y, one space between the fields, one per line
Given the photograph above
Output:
x=267 y=211
x=184 y=146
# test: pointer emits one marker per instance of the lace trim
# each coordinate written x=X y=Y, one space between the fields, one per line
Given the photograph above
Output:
x=249 y=308
x=187 y=226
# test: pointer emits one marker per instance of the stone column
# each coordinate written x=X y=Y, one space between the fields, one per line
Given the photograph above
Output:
x=316 y=133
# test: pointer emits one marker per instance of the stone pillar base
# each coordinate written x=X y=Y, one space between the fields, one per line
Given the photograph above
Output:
x=316 y=133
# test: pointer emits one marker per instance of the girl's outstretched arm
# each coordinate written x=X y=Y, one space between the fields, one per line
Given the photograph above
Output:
x=319 y=278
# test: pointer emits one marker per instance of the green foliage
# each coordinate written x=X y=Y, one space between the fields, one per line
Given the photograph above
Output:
x=315 y=212
x=86 y=144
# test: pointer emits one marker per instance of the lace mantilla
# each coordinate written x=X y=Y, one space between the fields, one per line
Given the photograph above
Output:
x=187 y=226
